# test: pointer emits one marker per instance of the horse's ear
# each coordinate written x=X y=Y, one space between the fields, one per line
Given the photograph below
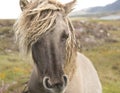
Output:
x=23 y=4
x=69 y=6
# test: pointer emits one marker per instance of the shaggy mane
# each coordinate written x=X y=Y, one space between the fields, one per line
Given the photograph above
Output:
x=39 y=18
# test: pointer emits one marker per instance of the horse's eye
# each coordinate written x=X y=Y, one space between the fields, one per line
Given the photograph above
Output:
x=64 y=35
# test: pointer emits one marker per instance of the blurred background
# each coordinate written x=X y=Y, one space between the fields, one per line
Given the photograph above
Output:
x=97 y=26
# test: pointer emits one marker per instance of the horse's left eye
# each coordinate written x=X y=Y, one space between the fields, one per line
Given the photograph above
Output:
x=64 y=35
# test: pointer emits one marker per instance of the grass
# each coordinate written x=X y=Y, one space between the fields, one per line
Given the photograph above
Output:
x=13 y=68
x=14 y=72
x=106 y=59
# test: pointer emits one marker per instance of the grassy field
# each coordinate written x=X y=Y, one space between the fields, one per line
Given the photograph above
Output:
x=14 y=71
x=106 y=59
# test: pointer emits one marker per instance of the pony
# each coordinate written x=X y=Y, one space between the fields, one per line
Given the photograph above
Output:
x=45 y=31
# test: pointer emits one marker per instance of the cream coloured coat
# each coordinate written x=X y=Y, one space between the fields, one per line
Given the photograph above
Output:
x=85 y=79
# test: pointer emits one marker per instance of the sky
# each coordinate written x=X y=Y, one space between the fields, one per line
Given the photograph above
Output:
x=9 y=9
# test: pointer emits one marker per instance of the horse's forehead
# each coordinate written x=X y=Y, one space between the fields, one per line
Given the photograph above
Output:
x=61 y=21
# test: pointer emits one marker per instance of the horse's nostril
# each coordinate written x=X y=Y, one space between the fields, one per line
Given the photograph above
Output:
x=47 y=83
x=65 y=79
